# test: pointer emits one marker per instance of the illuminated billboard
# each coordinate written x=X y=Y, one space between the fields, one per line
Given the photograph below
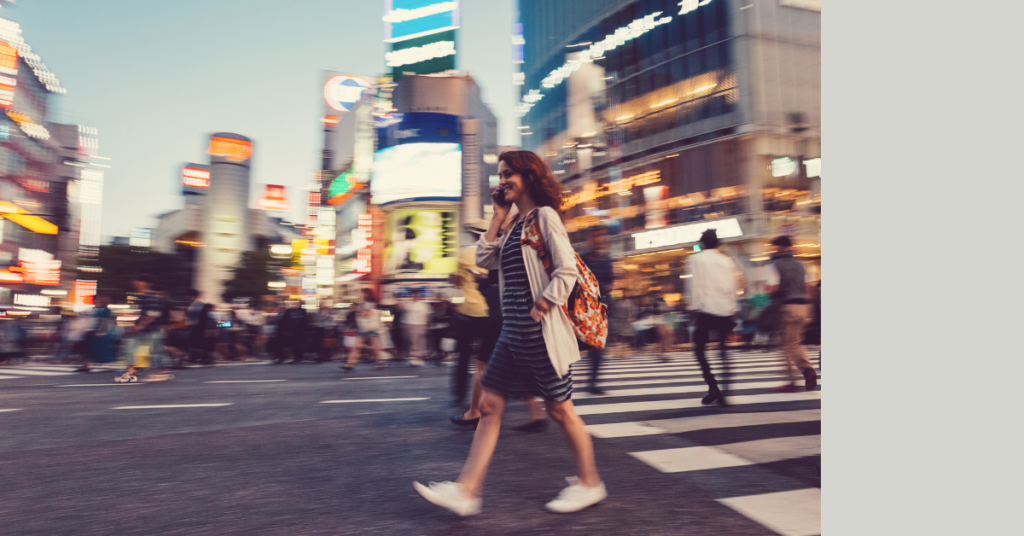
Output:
x=417 y=172
x=8 y=59
x=273 y=198
x=230 y=148
x=342 y=188
x=422 y=55
x=421 y=242
x=409 y=19
x=342 y=92
x=194 y=176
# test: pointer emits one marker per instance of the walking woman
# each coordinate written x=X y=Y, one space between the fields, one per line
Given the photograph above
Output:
x=369 y=329
x=537 y=344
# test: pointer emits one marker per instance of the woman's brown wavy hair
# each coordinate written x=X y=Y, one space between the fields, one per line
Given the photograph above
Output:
x=544 y=188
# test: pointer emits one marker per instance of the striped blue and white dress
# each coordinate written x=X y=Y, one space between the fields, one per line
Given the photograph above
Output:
x=520 y=366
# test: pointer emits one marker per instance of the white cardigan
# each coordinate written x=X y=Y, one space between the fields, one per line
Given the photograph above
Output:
x=555 y=326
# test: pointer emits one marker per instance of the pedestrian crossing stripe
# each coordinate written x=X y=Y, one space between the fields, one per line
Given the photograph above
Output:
x=731 y=455
x=702 y=388
x=789 y=513
x=701 y=422
x=647 y=378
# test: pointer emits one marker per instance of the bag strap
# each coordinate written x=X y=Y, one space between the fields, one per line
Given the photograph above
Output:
x=533 y=237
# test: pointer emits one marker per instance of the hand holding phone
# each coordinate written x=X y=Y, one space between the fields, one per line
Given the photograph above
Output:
x=498 y=196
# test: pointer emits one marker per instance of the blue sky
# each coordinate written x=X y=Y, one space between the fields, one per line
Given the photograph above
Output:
x=156 y=78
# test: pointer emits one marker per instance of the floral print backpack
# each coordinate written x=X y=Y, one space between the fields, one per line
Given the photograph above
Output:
x=588 y=316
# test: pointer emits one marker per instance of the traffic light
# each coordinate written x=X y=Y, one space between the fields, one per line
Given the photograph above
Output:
x=696 y=248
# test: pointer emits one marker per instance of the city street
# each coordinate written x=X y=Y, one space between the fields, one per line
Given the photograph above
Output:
x=309 y=449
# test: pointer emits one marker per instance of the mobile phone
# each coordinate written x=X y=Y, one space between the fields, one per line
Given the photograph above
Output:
x=499 y=197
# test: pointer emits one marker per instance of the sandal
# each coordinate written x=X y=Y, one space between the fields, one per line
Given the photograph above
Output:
x=348 y=367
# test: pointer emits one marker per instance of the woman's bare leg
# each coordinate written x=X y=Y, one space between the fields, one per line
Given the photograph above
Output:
x=564 y=413
x=353 y=354
x=476 y=392
x=492 y=406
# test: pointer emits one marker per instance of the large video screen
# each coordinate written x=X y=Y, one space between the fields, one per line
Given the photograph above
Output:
x=421 y=242
x=417 y=172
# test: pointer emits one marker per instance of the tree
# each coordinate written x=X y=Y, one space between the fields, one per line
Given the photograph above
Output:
x=250 y=278
x=121 y=263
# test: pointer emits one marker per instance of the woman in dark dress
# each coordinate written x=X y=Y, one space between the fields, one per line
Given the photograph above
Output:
x=537 y=344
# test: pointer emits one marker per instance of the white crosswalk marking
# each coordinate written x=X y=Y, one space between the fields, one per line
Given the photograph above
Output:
x=702 y=422
x=25 y=371
x=753 y=428
x=789 y=513
x=659 y=405
x=680 y=389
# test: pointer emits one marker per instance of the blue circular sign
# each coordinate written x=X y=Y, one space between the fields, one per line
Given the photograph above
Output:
x=342 y=92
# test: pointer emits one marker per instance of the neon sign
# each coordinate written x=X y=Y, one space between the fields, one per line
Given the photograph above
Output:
x=364 y=240
x=342 y=188
x=615 y=187
x=230 y=148
x=273 y=198
x=195 y=177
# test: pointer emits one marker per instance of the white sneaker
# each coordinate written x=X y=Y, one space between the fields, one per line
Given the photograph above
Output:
x=449 y=495
x=577 y=496
x=126 y=378
x=415 y=362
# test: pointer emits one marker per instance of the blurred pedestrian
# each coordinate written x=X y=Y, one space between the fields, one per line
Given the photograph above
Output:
x=713 y=303
x=415 y=318
x=368 y=326
x=100 y=342
x=290 y=333
x=600 y=263
x=789 y=285
x=537 y=345
x=473 y=322
x=144 y=339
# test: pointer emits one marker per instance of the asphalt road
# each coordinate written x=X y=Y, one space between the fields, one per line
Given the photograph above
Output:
x=265 y=454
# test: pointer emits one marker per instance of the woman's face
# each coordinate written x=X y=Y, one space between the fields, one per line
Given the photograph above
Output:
x=512 y=183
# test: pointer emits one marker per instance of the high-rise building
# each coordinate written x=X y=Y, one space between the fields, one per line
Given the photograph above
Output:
x=217 y=224
x=664 y=118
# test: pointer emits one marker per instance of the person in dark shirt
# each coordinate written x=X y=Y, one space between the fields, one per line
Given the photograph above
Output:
x=290 y=329
x=147 y=332
x=600 y=263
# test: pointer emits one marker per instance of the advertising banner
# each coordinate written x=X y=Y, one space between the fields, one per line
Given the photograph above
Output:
x=409 y=19
x=417 y=171
x=195 y=176
x=273 y=199
x=421 y=242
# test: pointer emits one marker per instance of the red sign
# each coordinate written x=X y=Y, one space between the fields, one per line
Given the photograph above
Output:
x=364 y=241
x=230 y=148
x=195 y=177
x=7 y=91
x=273 y=198
x=41 y=272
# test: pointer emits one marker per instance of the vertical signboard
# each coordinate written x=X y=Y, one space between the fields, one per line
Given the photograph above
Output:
x=273 y=199
x=422 y=35
x=472 y=166
x=8 y=66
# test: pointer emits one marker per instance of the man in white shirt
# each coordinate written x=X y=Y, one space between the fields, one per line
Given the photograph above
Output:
x=712 y=306
x=416 y=318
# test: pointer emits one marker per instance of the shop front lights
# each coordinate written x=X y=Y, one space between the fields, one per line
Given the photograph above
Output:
x=280 y=251
x=276 y=285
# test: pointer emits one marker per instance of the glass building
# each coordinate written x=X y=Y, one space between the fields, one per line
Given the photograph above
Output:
x=663 y=118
